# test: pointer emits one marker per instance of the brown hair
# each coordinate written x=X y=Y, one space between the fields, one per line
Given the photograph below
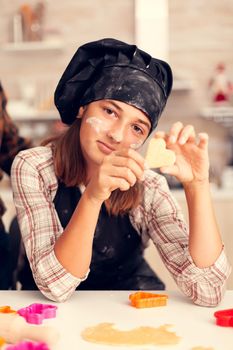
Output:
x=70 y=168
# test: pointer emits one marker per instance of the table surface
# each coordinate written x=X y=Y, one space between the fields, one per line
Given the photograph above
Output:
x=194 y=324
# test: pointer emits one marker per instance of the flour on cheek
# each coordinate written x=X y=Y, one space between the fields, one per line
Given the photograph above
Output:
x=100 y=125
x=136 y=145
x=97 y=124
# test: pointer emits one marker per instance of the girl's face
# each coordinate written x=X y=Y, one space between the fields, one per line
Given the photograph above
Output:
x=108 y=126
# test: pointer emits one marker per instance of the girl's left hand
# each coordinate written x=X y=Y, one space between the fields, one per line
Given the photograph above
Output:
x=192 y=160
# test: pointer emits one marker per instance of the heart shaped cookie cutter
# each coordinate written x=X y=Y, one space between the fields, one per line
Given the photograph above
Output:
x=224 y=318
x=36 y=313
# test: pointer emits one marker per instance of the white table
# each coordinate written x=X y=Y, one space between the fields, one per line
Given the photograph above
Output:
x=195 y=325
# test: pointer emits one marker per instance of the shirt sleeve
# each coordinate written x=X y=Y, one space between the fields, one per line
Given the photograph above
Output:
x=165 y=225
x=40 y=227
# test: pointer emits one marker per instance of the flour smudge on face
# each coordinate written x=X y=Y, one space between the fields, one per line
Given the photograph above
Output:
x=136 y=145
x=97 y=124
x=100 y=126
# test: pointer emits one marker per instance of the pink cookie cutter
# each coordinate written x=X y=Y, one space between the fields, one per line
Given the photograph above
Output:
x=36 y=313
x=27 y=345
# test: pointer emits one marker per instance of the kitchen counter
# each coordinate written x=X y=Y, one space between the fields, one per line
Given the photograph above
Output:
x=193 y=324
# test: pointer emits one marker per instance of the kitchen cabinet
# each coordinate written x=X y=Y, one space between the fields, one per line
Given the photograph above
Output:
x=37 y=124
x=220 y=114
x=25 y=46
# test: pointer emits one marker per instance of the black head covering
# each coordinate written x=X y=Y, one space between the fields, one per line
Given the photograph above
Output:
x=112 y=69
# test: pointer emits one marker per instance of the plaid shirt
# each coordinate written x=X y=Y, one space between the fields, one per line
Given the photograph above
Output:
x=10 y=141
x=158 y=217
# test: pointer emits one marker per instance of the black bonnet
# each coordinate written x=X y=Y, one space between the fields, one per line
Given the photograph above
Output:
x=112 y=69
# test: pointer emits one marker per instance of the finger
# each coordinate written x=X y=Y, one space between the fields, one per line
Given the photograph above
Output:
x=129 y=164
x=186 y=134
x=174 y=132
x=132 y=154
x=160 y=134
x=203 y=140
x=170 y=170
x=122 y=184
x=124 y=173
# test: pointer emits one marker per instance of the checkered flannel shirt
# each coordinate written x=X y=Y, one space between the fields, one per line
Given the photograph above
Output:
x=157 y=218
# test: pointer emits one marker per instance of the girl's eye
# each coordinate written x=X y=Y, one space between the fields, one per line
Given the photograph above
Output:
x=138 y=130
x=109 y=111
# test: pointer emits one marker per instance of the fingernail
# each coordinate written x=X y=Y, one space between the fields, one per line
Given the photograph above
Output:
x=182 y=141
x=172 y=139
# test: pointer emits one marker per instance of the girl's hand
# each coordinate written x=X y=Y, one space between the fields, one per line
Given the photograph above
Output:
x=192 y=161
x=119 y=170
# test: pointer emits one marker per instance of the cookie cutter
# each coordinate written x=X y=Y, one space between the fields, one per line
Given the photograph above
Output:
x=224 y=318
x=27 y=345
x=147 y=299
x=6 y=309
x=2 y=341
x=36 y=313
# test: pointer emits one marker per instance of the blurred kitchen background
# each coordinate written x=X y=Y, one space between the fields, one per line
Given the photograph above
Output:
x=38 y=39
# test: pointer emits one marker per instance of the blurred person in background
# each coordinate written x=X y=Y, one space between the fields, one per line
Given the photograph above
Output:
x=10 y=144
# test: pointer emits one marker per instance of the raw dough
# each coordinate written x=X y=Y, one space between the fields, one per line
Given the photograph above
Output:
x=201 y=348
x=104 y=333
x=157 y=155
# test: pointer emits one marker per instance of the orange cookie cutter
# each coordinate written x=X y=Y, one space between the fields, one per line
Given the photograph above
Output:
x=146 y=299
x=6 y=309
x=2 y=341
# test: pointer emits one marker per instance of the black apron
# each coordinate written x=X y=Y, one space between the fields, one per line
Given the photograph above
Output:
x=117 y=257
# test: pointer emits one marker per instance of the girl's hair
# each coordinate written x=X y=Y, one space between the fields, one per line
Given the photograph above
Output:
x=70 y=168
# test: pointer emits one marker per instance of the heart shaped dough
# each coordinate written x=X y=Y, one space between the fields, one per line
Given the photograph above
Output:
x=157 y=155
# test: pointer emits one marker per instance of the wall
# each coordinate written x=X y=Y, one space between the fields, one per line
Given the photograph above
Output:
x=78 y=21
x=201 y=35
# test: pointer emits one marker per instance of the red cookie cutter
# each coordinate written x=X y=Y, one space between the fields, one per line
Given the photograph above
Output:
x=27 y=345
x=36 y=313
x=224 y=318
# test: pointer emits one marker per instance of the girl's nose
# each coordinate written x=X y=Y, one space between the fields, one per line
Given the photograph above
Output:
x=116 y=134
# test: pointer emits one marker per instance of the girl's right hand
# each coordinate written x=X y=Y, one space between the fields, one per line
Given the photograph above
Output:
x=119 y=170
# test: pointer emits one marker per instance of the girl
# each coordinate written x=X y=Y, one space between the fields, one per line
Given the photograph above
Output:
x=86 y=203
